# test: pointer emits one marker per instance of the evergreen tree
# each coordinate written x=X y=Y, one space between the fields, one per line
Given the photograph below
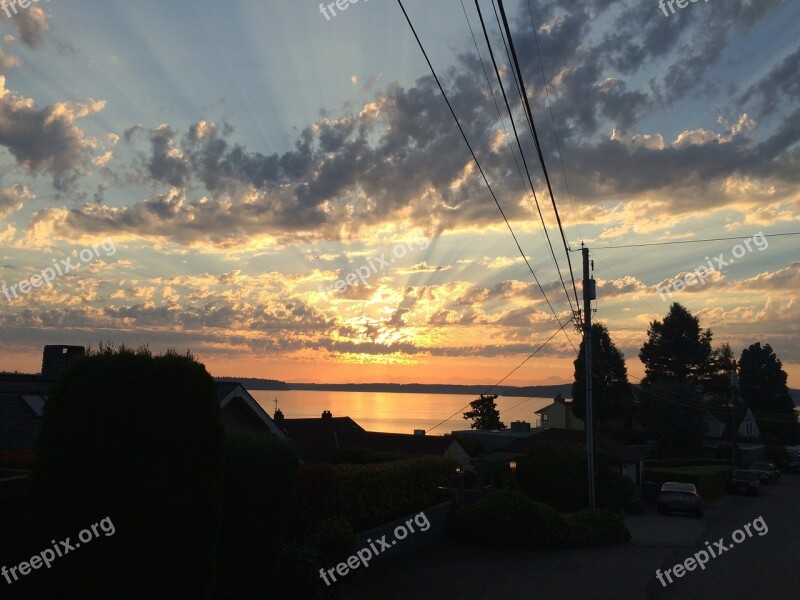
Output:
x=611 y=392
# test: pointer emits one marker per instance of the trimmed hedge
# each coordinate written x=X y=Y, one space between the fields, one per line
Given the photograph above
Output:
x=711 y=481
x=136 y=439
x=671 y=463
x=508 y=519
x=368 y=495
x=595 y=527
x=259 y=482
x=363 y=456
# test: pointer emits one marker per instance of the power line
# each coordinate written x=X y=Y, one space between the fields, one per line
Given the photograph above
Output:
x=675 y=242
x=522 y=153
x=483 y=174
x=553 y=119
x=536 y=141
x=514 y=370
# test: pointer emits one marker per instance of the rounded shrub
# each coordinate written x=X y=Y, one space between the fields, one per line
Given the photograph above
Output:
x=135 y=440
x=508 y=519
x=595 y=527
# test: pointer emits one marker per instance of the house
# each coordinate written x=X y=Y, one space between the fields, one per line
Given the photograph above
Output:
x=240 y=411
x=318 y=439
x=20 y=421
x=627 y=460
x=748 y=427
x=714 y=427
x=559 y=415
x=492 y=439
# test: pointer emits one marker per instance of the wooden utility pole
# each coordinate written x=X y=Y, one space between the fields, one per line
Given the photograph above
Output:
x=589 y=294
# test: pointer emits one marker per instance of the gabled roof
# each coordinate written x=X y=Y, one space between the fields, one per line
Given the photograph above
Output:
x=616 y=452
x=227 y=391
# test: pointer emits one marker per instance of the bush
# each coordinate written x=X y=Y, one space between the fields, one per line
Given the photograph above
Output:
x=299 y=567
x=557 y=475
x=334 y=541
x=711 y=481
x=368 y=495
x=136 y=439
x=595 y=527
x=259 y=482
x=507 y=519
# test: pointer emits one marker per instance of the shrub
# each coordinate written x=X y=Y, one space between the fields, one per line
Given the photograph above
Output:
x=556 y=475
x=259 y=482
x=711 y=481
x=136 y=439
x=334 y=541
x=368 y=495
x=595 y=527
x=299 y=566
x=507 y=519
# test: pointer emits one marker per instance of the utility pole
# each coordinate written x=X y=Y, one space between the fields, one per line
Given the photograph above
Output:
x=734 y=382
x=589 y=294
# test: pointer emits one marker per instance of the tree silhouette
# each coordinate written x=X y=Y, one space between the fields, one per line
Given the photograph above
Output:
x=676 y=349
x=484 y=414
x=611 y=393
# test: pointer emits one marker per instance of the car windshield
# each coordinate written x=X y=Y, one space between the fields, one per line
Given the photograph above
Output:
x=678 y=487
x=761 y=466
x=745 y=475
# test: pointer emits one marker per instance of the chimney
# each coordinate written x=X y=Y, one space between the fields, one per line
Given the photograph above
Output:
x=57 y=358
x=520 y=426
x=419 y=432
x=326 y=414
x=278 y=418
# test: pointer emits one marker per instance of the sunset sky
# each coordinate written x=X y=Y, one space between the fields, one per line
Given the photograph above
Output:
x=240 y=157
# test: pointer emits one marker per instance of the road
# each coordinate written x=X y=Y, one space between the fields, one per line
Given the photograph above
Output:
x=761 y=566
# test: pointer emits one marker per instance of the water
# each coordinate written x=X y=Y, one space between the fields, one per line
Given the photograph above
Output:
x=396 y=413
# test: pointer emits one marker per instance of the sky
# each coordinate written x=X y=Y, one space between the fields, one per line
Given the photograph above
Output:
x=200 y=175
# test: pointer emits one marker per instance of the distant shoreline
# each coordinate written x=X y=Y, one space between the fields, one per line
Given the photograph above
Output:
x=536 y=391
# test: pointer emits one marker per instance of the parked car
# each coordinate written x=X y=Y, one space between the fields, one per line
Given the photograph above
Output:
x=681 y=497
x=794 y=464
x=745 y=481
x=767 y=472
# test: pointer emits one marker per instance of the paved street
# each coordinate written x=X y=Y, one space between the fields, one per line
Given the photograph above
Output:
x=759 y=567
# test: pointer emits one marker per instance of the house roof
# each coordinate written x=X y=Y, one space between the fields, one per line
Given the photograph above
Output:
x=19 y=423
x=404 y=443
x=228 y=390
x=316 y=438
x=616 y=452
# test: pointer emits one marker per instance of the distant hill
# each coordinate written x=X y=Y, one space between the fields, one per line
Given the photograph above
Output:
x=536 y=391
x=253 y=383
